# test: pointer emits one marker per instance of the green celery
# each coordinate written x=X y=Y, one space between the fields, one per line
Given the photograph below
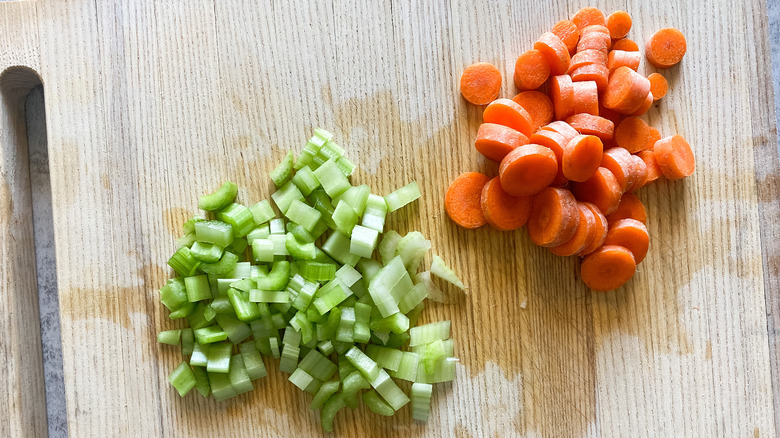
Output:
x=397 y=340
x=219 y=357
x=345 y=218
x=299 y=250
x=226 y=264
x=301 y=379
x=183 y=262
x=289 y=358
x=245 y=310
x=302 y=324
x=182 y=379
x=198 y=288
x=363 y=363
x=369 y=268
x=356 y=197
x=216 y=232
x=331 y=150
x=412 y=249
x=219 y=199
x=268 y=296
x=241 y=270
x=305 y=295
x=206 y=252
x=221 y=388
x=396 y=323
x=174 y=294
x=332 y=179
x=345 y=331
x=286 y=195
x=353 y=383
x=412 y=298
x=329 y=328
x=239 y=378
x=345 y=166
x=401 y=287
x=407 y=367
x=283 y=172
x=360 y=290
x=348 y=275
x=363 y=241
x=425 y=334
x=326 y=347
x=329 y=296
x=189 y=226
x=326 y=390
x=273 y=345
x=375 y=213
x=209 y=335
x=201 y=316
x=169 y=337
x=303 y=215
x=402 y=196
x=393 y=395
x=306 y=180
x=421 y=400
x=322 y=203
x=337 y=246
x=262 y=212
x=388 y=245
x=433 y=353
x=236 y=330
x=277 y=226
x=276 y=279
x=388 y=358
x=238 y=217
x=319 y=366
x=263 y=250
x=187 y=341
x=382 y=284
x=199 y=355
x=261 y=232
x=329 y=410
x=376 y=404
x=201 y=381
x=186 y=240
x=316 y=271
x=244 y=285
x=441 y=270
x=300 y=233
x=253 y=361
x=345 y=367
x=361 y=332
x=238 y=246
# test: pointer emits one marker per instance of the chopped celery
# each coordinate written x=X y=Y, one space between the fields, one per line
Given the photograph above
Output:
x=303 y=215
x=319 y=366
x=402 y=286
x=221 y=388
x=412 y=298
x=396 y=323
x=397 y=340
x=369 y=268
x=306 y=180
x=286 y=195
x=236 y=330
x=360 y=290
x=219 y=357
x=169 y=337
x=282 y=173
x=355 y=197
x=441 y=270
x=345 y=165
x=183 y=262
x=329 y=328
x=261 y=232
x=337 y=246
x=216 y=232
x=388 y=358
x=444 y=372
x=300 y=233
x=174 y=294
x=345 y=331
x=388 y=245
x=199 y=355
x=280 y=246
x=316 y=271
x=331 y=150
x=345 y=218
x=326 y=390
x=273 y=346
x=219 y=199
x=209 y=335
x=345 y=367
x=290 y=351
x=421 y=400
x=302 y=324
x=363 y=241
x=329 y=411
x=305 y=295
x=332 y=179
x=347 y=275
x=182 y=379
x=189 y=226
x=363 y=363
x=301 y=378
x=412 y=249
x=352 y=384
x=268 y=296
x=226 y=264
x=187 y=341
x=402 y=196
x=326 y=347
x=201 y=381
x=386 y=387
x=425 y=334
x=376 y=404
x=300 y=250
x=262 y=212
x=276 y=279
x=361 y=331
x=433 y=354
x=245 y=310
x=375 y=213
x=201 y=316
x=263 y=250
x=239 y=378
x=382 y=284
x=407 y=368
x=276 y=226
x=238 y=246
x=206 y=252
x=434 y=293
x=238 y=217
x=198 y=288
x=186 y=240
x=329 y=296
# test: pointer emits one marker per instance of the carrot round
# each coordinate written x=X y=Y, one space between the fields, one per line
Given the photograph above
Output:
x=588 y=16
x=569 y=33
x=608 y=268
x=598 y=232
x=626 y=91
x=601 y=189
x=622 y=58
x=618 y=23
x=640 y=173
x=495 y=141
x=618 y=161
x=554 y=217
x=658 y=85
x=480 y=83
x=653 y=170
x=630 y=207
x=538 y=106
x=594 y=37
x=584 y=232
x=592 y=72
x=586 y=97
x=562 y=93
x=462 y=201
x=666 y=47
x=625 y=44
x=582 y=157
x=586 y=57
x=592 y=125
x=527 y=170
x=611 y=115
x=501 y=210
x=652 y=138
x=531 y=70
x=645 y=106
x=630 y=234
x=563 y=128
x=631 y=134
x=555 y=142
x=508 y=113
x=555 y=51
x=675 y=157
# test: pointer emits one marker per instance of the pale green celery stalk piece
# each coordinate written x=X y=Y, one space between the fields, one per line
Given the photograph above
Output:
x=263 y=250
x=239 y=217
x=353 y=383
x=301 y=379
x=277 y=226
x=187 y=341
x=346 y=166
x=337 y=246
x=345 y=367
x=219 y=355
x=447 y=345
x=441 y=270
x=376 y=404
x=240 y=271
x=348 y=275
x=396 y=323
x=360 y=290
x=303 y=215
x=225 y=265
x=329 y=296
x=363 y=241
x=286 y=195
x=299 y=250
x=425 y=334
x=221 y=388
x=356 y=197
x=412 y=249
x=382 y=284
x=329 y=328
x=236 y=330
x=329 y=410
x=209 y=335
x=326 y=390
x=169 y=337
x=189 y=226
x=407 y=368
x=369 y=268
x=302 y=324
x=305 y=295
x=380 y=337
x=183 y=262
x=401 y=287
x=388 y=245
x=300 y=233
x=319 y=366
x=326 y=347
x=186 y=240
x=269 y=296
x=219 y=199
x=375 y=213
x=239 y=378
x=262 y=212
x=245 y=310
x=402 y=196
x=201 y=316
x=388 y=358
x=306 y=180
x=345 y=218
x=277 y=279
x=444 y=371
x=421 y=401
x=244 y=284
x=345 y=332
x=216 y=232
x=331 y=150
x=434 y=293
x=320 y=228
x=174 y=294
x=238 y=246
x=412 y=298
x=363 y=363
x=280 y=245
x=386 y=387
x=182 y=379
x=316 y=271
x=206 y=252
x=273 y=345
x=283 y=172
x=332 y=179
x=397 y=340
x=373 y=221
x=305 y=158
x=433 y=354
x=361 y=332
x=199 y=355
x=201 y=381
x=261 y=232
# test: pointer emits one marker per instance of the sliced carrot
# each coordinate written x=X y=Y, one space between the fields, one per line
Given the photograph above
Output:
x=586 y=57
x=555 y=142
x=538 y=105
x=666 y=47
x=622 y=58
x=462 y=201
x=625 y=44
x=611 y=115
x=569 y=33
x=626 y=91
x=658 y=85
x=653 y=170
x=592 y=125
x=582 y=157
x=495 y=141
x=562 y=93
x=675 y=157
x=594 y=38
x=640 y=173
x=630 y=207
x=480 y=83
x=588 y=16
x=630 y=234
x=599 y=231
x=652 y=138
x=531 y=70
x=554 y=217
x=501 y=210
x=618 y=23
x=618 y=161
x=555 y=51
x=602 y=189
x=563 y=128
x=508 y=113
x=645 y=106
x=527 y=170
x=608 y=268
x=586 y=97
x=592 y=72
x=582 y=236
x=631 y=134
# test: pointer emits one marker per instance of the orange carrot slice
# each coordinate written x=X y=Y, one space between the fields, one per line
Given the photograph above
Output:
x=619 y=23
x=608 y=268
x=653 y=170
x=585 y=229
x=555 y=51
x=675 y=157
x=563 y=128
x=501 y=210
x=626 y=91
x=666 y=47
x=622 y=58
x=630 y=207
x=645 y=106
x=555 y=142
x=618 y=161
x=632 y=134
x=594 y=37
x=495 y=141
x=592 y=72
x=562 y=93
x=598 y=232
x=658 y=85
x=554 y=217
x=630 y=234
x=640 y=173
x=527 y=170
x=592 y=125
x=538 y=105
x=586 y=57
x=462 y=201
x=506 y=112
x=602 y=189
x=586 y=97
x=480 y=83
x=531 y=70
x=588 y=16
x=611 y=115
x=568 y=32
x=652 y=138
x=582 y=157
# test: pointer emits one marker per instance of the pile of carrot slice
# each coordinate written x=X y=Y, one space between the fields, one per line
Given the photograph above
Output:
x=572 y=146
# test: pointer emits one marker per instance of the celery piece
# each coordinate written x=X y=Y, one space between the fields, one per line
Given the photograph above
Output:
x=363 y=363
x=219 y=357
x=337 y=246
x=319 y=366
x=278 y=321
x=441 y=270
x=345 y=367
x=276 y=226
x=356 y=197
x=388 y=358
x=189 y=226
x=309 y=151
x=183 y=262
x=434 y=293
x=283 y=172
x=262 y=212
x=209 y=335
x=332 y=179
x=316 y=271
x=244 y=285
x=402 y=196
x=346 y=166
x=301 y=378
x=376 y=404
x=380 y=337
x=199 y=355
x=329 y=296
x=302 y=324
x=421 y=400
x=206 y=252
x=216 y=232
x=226 y=264
x=174 y=294
x=401 y=287
x=326 y=390
x=412 y=248
x=306 y=180
x=221 y=388
x=299 y=250
x=388 y=245
x=433 y=353
x=239 y=217
x=291 y=337
x=239 y=378
x=201 y=381
x=345 y=331
x=240 y=271
x=360 y=290
x=329 y=328
x=322 y=203
x=185 y=240
x=268 y=296
x=238 y=246
x=321 y=136
x=412 y=298
x=200 y=317
x=219 y=199
x=273 y=345
x=375 y=213
x=305 y=295
x=236 y=330
x=444 y=371
x=326 y=347
x=263 y=250
x=386 y=387
x=169 y=337
x=345 y=218
x=397 y=340
x=253 y=361
x=280 y=246
x=447 y=346
x=182 y=379
x=245 y=310
x=261 y=232
x=369 y=268
x=425 y=334
x=300 y=233
x=276 y=279
x=407 y=368
x=331 y=150
x=373 y=221
x=348 y=275
x=286 y=195
x=289 y=358
x=303 y=215
x=382 y=284
x=361 y=332
x=352 y=384
x=329 y=410
x=396 y=323
x=363 y=241
x=197 y=288
x=187 y=341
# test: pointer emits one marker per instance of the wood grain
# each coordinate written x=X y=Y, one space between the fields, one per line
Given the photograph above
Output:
x=150 y=104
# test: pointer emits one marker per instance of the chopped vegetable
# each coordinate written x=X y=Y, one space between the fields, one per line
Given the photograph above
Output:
x=480 y=83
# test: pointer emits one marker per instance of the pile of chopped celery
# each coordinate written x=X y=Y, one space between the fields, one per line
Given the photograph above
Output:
x=306 y=288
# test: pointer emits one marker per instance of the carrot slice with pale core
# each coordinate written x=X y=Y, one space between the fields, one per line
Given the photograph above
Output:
x=508 y=113
x=501 y=210
x=666 y=47
x=608 y=268
x=675 y=157
x=527 y=170
x=462 y=201
x=480 y=83
x=531 y=70
x=630 y=234
x=554 y=217
x=495 y=141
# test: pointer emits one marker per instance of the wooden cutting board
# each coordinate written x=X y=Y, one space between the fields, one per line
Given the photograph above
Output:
x=150 y=104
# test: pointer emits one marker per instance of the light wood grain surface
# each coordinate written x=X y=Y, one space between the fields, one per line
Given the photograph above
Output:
x=150 y=104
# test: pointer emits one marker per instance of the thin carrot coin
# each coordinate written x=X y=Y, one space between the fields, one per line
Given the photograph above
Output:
x=501 y=210
x=568 y=32
x=618 y=161
x=601 y=189
x=658 y=85
x=588 y=16
x=599 y=231
x=626 y=91
x=594 y=37
x=563 y=128
x=586 y=98
x=527 y=170
x=618 y=23
x=631 y=134
x=630 y=207
x=589 y=124
x=675 y=157
x=630 y=234
x=580 y=240
x=480 y=83
x=622 y=58
x=587 y=57
x=554 y=217
x=462 y=201
x=608 y=268
x=653 y=170
x=531 y=70
x=555 y=142
x=640 y=173
x=538 y=105
x=666 y=47
x=592 y=72
x=555 y=51
x=562 y=93
x=582 y=157
x=506 y=112
x=625 y=44
x=495 y=141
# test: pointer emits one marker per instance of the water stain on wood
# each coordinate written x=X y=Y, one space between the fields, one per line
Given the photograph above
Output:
x=174 y=217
